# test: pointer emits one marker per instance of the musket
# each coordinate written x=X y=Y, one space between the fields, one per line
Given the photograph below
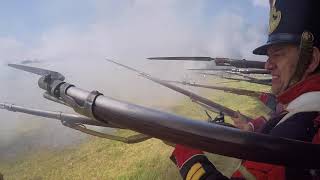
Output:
x=255 y=94
x=233 y=70
x=269 y=80
x=77 y=122
x=204 y=102
x=239 y=63
x=250 y=79
x=195 y=133
x=245 y=92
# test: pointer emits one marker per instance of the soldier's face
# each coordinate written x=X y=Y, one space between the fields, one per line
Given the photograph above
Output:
x=282 y=63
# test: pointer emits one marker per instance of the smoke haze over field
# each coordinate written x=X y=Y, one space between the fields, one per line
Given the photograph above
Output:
x=74 y=38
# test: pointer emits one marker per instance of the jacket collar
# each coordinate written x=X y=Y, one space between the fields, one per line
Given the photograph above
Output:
x=310 y=84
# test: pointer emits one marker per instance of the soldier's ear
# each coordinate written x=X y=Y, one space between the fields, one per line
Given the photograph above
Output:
x=314 y=64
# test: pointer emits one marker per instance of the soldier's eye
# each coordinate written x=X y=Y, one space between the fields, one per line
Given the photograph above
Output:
x=274 y=55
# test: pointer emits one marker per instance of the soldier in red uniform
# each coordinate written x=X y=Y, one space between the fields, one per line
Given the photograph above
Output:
x=293 y=50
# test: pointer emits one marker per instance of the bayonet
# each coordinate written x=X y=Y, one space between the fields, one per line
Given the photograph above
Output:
x=77 y=122
x=72 y=118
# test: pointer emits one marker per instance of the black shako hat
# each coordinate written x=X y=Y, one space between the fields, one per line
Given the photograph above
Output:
x=289 y=19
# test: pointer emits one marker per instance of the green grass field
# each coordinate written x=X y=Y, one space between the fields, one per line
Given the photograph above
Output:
x=98 y=158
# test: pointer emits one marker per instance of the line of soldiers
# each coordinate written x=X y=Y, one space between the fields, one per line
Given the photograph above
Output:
x=293 y=50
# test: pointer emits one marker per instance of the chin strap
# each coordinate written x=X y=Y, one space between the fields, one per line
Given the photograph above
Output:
x=305 y=56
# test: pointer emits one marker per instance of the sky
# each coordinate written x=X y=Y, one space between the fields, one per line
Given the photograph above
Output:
x=32 y=25
x=74 y=36
x=25 y=20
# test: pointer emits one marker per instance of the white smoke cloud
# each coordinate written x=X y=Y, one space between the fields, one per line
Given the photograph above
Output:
x=128 y=32
x=261 y=3
x=11 y=48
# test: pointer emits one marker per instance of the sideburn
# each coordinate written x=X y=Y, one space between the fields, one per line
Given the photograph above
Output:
x=305 y=56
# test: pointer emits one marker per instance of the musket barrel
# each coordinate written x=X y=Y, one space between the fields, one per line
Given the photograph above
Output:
x=254 y=71
x=196 y=97
x=226 y=89
x=202 y=135
x=246 y=64
x=256 y=81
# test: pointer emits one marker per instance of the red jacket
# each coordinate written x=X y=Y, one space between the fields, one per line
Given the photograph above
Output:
x=263 y=171
x=298 y=122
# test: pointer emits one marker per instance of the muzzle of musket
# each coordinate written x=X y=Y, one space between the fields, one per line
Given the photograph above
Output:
x=7 y=106
x=2 y=105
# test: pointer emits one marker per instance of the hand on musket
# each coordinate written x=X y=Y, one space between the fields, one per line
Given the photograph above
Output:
x=241 y=122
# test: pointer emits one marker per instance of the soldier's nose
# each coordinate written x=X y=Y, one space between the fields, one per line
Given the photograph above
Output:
x=269 y=65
